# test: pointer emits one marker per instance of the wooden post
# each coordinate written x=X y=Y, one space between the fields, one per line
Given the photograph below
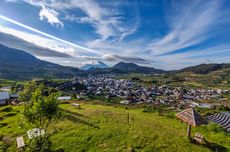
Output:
x=128 y=118
x=189 y=131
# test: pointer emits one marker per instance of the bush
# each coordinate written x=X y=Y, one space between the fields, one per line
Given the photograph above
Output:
x=170 y=115
x=7 y=109
x=3 y=125
x=150 y=109
x=154 y=81
x=213 y=127
x=10 y=114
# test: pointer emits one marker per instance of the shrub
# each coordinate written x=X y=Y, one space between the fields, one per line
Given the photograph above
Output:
x=10 y=114
x=7 y=109
x=213 y=127
x=150 y=109
x=170 y=115
x=3 y=125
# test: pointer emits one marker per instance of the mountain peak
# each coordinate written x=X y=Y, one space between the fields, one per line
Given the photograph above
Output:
x=94 y=64
x=134 y=68
x=124 y=64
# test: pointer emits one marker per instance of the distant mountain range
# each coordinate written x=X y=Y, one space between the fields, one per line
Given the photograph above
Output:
x=125 y=68
x=19 y=65
x=95 y=64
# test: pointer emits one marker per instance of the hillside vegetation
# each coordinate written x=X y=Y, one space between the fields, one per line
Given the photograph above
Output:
x=215 y=79
x=205 y=68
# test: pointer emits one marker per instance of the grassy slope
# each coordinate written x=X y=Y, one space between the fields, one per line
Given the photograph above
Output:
x=105 y=128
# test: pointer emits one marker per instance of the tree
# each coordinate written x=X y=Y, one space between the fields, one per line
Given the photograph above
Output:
x=28 y=89
x=41 y=112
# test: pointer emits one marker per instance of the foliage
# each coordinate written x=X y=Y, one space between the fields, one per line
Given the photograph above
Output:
x=28 y=89
x=150 y=108
x=214 y=128
x=7 y=109
x=41 y=112
x=4 y=144
x=178 y=78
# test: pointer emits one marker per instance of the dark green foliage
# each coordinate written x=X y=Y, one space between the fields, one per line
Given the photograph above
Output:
x=213 y=127
x=3 y=124
x=28 y=89
x=150 y=108
x=170 y=114
x=4 y=143
x=136 y=79
x=41 y=107
x=10 y=114
x=177 y=78
x=154 y=81
x=7 y=109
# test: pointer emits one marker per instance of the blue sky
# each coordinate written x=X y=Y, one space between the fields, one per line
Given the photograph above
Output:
x=169 y=34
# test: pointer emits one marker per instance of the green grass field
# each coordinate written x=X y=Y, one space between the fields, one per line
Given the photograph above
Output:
x=107 y=128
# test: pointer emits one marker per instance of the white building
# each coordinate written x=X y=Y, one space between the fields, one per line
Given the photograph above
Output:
x=124 y=102
x=64 y=98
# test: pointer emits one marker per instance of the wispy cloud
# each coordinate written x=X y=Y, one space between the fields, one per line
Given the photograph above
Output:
x=12 y=1
x=191 y=23
x=47 y=47
x=109 y=22
x=37 y=50
x=51 y=16
x=21 y=35
x=209 y=54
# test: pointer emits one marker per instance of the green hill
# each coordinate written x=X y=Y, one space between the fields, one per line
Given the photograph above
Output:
x=205 y=68
x=106 y=129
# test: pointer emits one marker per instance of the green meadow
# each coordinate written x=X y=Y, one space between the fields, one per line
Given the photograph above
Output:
x=99 y=128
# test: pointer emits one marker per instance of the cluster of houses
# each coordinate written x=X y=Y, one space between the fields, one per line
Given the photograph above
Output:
x=131 y=92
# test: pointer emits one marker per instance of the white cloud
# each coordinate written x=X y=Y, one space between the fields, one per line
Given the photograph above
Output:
x=191 y=25
x=108 y=22
x=209 y=54
x=40 y=41
x=12 y=1
x=78 y=47
x=51 y=16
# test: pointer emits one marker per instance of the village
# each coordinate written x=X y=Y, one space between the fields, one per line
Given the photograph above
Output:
x=132 y=93
x=129 y=92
